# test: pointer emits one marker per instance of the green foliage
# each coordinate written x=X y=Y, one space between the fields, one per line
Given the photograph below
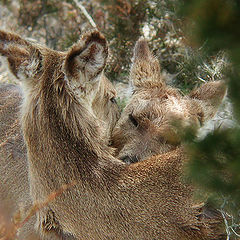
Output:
x=126 y=18
x=31 y=11
x=5 y=2
x=123 y=21
x=121 y=103
x=219 y=21
x=54 y=23
x=158 y=21
x=215 y=164
x=69 y=40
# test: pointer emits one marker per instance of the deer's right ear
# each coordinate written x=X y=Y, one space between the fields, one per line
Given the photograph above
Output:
x=210 y=95
x=23 y=59
x=145 y=68
x=88 y=57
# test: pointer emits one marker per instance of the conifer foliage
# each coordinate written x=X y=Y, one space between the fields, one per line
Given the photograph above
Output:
x=215 y=162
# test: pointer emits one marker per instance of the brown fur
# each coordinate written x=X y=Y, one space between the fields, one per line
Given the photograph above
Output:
x=111 y=200
x=14 y=186
x=157 y=115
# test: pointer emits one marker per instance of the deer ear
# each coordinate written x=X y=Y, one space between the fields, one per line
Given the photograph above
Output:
x=145 y=68
x=210 y=95
x=23 y=59
x=87 y=57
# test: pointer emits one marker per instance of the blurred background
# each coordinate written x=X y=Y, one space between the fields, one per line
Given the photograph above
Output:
x=58 y=24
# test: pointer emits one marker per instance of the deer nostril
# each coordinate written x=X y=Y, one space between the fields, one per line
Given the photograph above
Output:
x=129 y=159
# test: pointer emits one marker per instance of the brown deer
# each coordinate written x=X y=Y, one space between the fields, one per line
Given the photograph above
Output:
x=14 y=186
x=157 y=115
x=111 y=199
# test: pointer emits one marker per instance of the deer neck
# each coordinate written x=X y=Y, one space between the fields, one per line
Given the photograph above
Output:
x=62 y=139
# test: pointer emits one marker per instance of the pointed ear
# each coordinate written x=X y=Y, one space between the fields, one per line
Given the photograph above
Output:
x=145 y=68
x=210 y=96
x=23 y=59
x=87 y=57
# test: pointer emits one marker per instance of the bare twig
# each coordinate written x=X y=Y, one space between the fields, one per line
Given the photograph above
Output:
x=83 y=9
x=229 y=229
x=9 y=232
x=38 y=206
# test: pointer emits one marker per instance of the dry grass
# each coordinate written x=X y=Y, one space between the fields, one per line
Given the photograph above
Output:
x=9 y=227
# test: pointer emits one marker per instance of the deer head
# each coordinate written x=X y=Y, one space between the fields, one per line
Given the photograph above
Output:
x=156 y=116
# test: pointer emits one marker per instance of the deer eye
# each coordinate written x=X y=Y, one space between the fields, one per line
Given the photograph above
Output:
x=133 y=120
x=113 y=100
x=200 y=116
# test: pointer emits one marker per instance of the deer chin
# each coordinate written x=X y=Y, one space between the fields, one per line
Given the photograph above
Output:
x=129 y=154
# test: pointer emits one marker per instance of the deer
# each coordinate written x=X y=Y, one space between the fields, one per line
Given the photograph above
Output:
x=14 y=187
x=157 y=114
x=109 y=198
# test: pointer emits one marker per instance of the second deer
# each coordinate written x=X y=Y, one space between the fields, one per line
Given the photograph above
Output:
x=157 y=114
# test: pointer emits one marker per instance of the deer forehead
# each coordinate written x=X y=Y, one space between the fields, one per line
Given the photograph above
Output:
x=158 y=107
x=179 y=106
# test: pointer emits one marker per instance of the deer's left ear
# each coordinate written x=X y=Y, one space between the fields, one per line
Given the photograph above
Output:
x=24 y=60
x=145 y=68
x=211 y=95
x=87 y=57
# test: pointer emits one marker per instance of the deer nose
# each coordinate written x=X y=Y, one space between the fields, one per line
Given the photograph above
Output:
x=129 y=159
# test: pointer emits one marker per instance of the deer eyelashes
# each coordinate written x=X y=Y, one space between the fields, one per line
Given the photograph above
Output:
x=133 y=120
x=113 y=100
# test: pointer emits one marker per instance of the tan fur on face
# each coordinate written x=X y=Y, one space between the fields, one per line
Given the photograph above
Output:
x=157 y=115
x=110 y=200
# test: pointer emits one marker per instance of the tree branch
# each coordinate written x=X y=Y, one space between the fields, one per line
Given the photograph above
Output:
x=84 y=11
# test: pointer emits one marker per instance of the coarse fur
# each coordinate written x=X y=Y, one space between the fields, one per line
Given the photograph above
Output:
x=14 y=185
x=111 y=199
x=157 y=114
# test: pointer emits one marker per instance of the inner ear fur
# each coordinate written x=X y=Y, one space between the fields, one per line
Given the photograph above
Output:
x=89 y=55
x=145 y=70
x=213 y=92
x=20 y=55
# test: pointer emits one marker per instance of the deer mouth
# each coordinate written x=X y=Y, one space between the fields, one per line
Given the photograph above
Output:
x=129 y=159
